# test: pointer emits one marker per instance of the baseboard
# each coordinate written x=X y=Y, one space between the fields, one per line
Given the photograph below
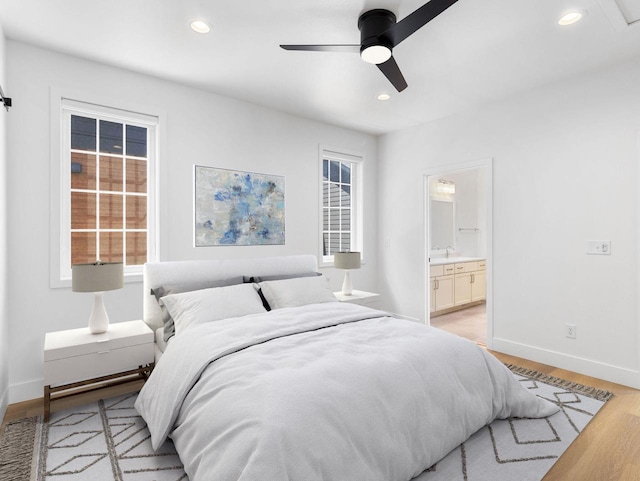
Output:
x=607 y=372
x=25 y=391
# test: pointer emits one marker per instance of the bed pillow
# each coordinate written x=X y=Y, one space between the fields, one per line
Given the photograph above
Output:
x=297 y=292
x=161 y=291
x=277 y=277
x=208 y=305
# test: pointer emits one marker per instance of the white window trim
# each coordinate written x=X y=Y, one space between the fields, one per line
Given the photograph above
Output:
x=60 y=272
x=357 y=196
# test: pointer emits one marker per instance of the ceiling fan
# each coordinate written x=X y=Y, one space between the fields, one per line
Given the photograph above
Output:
x=379 y=34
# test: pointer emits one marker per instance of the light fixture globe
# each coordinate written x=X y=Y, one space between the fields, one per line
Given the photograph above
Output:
x=376 y=54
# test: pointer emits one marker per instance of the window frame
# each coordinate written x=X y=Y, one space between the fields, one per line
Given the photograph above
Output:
x=61 y=252
x=357 y=189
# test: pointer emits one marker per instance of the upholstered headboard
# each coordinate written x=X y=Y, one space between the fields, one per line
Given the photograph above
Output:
x=157 y=274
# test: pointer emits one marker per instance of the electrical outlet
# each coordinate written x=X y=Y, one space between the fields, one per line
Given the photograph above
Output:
x=571 y=331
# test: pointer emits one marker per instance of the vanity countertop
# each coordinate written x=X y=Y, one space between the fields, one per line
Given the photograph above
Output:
x=437 y=261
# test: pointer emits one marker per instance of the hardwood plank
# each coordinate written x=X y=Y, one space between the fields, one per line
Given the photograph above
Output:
x=609 y=447
x=35 y=407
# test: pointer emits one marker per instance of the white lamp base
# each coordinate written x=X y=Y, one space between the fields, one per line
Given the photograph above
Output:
x=99 y=320
x=346 y=284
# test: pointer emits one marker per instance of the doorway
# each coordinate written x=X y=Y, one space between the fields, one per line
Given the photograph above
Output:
x=458 y=250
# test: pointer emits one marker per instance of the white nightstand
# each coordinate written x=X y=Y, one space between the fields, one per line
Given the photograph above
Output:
x=80 y=361
x=364 y=298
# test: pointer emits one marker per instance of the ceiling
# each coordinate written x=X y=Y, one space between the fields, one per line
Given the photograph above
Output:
x=474 y=53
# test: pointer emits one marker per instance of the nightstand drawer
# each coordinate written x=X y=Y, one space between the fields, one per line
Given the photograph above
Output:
x=80 y=342
x=96 y=364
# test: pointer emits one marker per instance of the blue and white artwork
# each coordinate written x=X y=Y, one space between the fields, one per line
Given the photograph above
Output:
x=238 y=208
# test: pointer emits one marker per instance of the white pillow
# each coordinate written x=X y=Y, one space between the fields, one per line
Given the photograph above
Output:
x=207 y=305
x=297 y=292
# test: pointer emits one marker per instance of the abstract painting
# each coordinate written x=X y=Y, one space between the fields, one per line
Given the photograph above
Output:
x=238 y=208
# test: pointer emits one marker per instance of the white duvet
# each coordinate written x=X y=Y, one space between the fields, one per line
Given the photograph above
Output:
x=329 y=391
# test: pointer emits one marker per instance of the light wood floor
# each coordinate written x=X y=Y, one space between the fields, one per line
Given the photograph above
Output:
x=469 y=323
x=607 y=450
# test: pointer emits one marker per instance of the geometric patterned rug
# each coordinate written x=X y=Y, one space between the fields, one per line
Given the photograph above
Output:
x=107 y=440
x=523 y=449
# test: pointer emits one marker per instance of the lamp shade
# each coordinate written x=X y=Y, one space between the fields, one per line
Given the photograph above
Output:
x=97 y=277
x=346 y=260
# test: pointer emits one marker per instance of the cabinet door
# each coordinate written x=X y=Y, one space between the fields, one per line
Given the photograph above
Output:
x=462 y=288
x=478 y=286
x=432 y=301
x=444 y=292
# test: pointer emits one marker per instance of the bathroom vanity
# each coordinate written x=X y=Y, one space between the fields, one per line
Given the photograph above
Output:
x=456 y=283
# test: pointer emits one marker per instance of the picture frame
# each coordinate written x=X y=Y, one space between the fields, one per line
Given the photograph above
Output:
x=238 y=208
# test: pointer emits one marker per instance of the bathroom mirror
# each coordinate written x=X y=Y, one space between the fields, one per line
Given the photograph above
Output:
x=441 y=215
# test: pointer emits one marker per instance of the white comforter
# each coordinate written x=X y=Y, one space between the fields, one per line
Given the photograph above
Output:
x=324 y=392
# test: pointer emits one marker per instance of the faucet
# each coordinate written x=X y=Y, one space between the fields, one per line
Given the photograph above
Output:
x=447 y=249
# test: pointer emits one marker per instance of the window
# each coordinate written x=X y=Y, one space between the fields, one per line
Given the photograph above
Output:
x=341 y=180
x=107 y=180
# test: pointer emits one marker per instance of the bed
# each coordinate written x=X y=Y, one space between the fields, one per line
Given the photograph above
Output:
x=313 y=389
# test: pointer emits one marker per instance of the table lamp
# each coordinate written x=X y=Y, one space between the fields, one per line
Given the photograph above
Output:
x=347 y=261
x=97 y=278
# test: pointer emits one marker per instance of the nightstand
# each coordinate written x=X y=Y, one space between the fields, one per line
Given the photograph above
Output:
x=364 y=298
x=78 y=361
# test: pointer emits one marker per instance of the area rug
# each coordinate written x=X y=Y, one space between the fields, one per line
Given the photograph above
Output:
x=108 y=440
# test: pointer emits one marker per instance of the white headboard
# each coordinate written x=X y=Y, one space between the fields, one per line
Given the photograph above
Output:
x=157 y=274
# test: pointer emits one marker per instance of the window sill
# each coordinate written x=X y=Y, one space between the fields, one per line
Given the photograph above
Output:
x=66 y=282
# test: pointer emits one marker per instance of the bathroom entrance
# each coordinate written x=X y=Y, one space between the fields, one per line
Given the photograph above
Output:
x=457 y=204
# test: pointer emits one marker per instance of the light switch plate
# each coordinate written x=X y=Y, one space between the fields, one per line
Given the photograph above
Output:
x=599 y=247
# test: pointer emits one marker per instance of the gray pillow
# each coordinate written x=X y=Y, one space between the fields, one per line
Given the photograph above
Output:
x=161 y=291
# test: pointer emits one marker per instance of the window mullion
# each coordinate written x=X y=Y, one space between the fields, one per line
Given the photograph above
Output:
x=124 y=195
x=98 y=154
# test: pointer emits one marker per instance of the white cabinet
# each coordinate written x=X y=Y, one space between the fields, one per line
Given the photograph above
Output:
x=442 y=288
x=457 y=284
x=470 y=282
x=463 y=288
x=478 y=286
x=442 y=292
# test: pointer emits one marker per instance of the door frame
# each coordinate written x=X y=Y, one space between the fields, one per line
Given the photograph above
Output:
x=486 y=163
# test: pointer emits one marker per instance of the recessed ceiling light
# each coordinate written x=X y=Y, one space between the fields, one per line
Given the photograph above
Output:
x=570 y=18
x=383 y=97
x=200 y=26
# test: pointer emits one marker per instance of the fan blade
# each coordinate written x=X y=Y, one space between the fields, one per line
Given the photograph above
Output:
x=416 y=20
x=324 y=48
x=391 y=70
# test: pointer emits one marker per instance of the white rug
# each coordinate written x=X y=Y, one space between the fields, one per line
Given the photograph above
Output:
x=523 y=449
x=107 y=440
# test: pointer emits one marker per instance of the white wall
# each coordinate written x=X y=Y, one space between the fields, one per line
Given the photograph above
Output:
x=565 y=171
x=199 y=127
x=4 y=320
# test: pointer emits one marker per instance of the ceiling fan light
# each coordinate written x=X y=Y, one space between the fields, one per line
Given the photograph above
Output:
x=376 y=54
